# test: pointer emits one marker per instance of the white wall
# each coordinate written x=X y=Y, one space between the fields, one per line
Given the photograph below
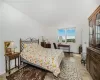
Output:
x=51 y=31
x=51 y=34
x=1 y=54
x=85 y=36
x=16 y=25
x=82 y=34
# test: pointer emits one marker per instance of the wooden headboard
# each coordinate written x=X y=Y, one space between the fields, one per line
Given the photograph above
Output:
x=28 y=40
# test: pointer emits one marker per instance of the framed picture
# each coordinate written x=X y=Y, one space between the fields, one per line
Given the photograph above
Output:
x=6 y=45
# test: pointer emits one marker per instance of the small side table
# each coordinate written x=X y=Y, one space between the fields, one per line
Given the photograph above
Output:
x=9 y=57
x=48 y=45
x=43 y=44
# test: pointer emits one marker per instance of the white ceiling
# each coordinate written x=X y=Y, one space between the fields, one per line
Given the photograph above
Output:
x=98 y=2
x=50 y=12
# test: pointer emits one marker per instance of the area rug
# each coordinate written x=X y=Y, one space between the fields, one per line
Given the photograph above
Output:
x=69 y=71
x=28 y=73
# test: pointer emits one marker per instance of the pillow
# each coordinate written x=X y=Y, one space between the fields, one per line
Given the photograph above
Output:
x=32 y=47
x=36 y=46
x=28 y=47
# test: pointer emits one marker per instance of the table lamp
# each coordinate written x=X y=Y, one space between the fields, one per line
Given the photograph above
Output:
x=12 y=46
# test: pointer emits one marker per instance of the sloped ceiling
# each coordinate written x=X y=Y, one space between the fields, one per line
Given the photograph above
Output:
x=98 y=2
x=50 y=12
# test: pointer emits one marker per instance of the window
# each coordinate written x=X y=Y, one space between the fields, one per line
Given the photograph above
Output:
x=66 y=35
x=61 y=37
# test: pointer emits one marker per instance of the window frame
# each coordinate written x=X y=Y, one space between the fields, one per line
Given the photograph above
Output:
x=66 y=34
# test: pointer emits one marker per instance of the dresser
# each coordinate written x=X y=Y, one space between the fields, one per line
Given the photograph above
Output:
x=45 y=45
x=93 y=62
x=9 y=57
x=48 y=45
x=93 y=51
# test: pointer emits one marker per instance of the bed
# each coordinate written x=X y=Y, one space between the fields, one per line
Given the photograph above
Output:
x=48 y=59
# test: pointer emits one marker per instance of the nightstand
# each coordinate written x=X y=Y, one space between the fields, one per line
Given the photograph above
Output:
x=8 y=58
x=43 y=44
x=48 y=45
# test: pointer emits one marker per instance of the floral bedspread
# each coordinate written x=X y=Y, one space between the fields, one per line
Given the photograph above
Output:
x=49 y=59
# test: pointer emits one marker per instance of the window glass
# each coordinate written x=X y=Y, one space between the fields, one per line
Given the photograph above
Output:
x=70 y=34
x=61 y=35
x=66 y=35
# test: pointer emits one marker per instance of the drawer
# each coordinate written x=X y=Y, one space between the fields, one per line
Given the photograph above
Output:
x=96 y=56
x=95 y=77
x=95 y=61
x=96 y=74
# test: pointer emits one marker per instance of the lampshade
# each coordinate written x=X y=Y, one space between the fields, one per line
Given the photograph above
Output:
x=98 y=20
x=12 y=45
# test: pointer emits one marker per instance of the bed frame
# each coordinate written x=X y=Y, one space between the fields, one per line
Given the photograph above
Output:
x=22 y=42
x=28 y=40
